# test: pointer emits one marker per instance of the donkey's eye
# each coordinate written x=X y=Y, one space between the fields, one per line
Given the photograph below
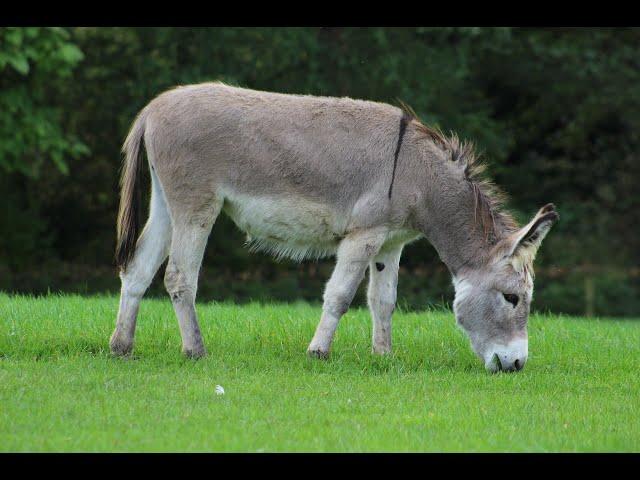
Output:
x=511 y=298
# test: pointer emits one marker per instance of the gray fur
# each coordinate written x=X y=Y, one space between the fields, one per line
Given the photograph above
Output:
x=309 y=176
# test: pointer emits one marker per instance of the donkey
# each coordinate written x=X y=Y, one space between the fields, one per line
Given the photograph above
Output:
x=308 y=176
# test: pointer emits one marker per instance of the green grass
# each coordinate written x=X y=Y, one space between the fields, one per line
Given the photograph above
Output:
x=60 y=390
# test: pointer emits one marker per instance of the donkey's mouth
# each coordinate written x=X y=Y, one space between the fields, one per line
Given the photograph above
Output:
x=493 y=365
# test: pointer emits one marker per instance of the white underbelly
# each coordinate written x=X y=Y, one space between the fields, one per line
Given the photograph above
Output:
x=286 y=227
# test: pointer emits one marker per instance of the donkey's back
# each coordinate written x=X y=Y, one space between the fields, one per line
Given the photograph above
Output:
x=259 y=142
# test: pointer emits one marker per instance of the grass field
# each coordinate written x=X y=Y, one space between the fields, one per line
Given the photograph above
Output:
x=60 y=390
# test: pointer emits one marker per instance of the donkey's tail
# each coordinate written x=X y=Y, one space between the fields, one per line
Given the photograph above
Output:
x=128 y=226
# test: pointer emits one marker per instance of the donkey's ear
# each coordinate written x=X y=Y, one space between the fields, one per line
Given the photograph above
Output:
x=526 y=241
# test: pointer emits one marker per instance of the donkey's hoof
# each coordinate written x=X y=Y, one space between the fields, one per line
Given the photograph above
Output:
x=195 y=352
x=119 y=348
x=320 y=354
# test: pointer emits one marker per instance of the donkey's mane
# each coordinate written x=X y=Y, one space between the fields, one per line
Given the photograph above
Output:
x=489 y=199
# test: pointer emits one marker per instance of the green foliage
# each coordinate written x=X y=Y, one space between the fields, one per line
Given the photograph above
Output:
x=555 y=111
x=35 y=66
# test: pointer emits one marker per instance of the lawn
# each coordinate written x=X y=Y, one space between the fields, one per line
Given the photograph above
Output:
x=60 y=390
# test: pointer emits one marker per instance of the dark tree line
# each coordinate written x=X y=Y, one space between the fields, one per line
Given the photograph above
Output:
x=555 y=111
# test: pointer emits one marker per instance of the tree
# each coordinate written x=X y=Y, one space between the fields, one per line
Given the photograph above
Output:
x=34 y=64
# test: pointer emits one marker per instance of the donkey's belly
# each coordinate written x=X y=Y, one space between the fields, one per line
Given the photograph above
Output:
x=286 y=227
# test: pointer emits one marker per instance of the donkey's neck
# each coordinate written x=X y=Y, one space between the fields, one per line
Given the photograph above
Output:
x=449 y=218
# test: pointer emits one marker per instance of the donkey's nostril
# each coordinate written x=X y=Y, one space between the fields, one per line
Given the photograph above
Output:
x=517 y=364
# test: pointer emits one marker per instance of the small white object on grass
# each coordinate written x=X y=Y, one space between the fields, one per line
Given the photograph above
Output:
x=219 y=390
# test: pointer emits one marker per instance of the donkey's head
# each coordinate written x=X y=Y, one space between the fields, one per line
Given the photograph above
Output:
x=492 y=300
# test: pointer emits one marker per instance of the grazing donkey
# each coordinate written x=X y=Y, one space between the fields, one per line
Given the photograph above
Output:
x=309 y=176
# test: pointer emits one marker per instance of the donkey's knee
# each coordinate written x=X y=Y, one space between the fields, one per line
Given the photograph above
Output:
x=382 y=300
x=341 y=289
x=133 y=285
x=383 y=308
x=176 y=284
x=336 y=301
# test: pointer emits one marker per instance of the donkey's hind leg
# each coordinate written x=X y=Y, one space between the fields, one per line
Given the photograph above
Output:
x=152 y=249
x=188 y=243
x=354 y=254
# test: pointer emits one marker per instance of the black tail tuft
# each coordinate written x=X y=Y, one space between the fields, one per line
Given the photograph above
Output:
x=129 y=218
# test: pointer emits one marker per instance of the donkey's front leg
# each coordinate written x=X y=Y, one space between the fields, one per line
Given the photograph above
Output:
x=354 y=253
x=382 y=293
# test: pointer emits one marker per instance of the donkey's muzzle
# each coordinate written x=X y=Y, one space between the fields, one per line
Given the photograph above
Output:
x=510 y=358
x=504 y=365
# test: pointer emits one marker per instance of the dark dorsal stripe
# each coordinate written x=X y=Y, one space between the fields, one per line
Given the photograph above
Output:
x=404 y=120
